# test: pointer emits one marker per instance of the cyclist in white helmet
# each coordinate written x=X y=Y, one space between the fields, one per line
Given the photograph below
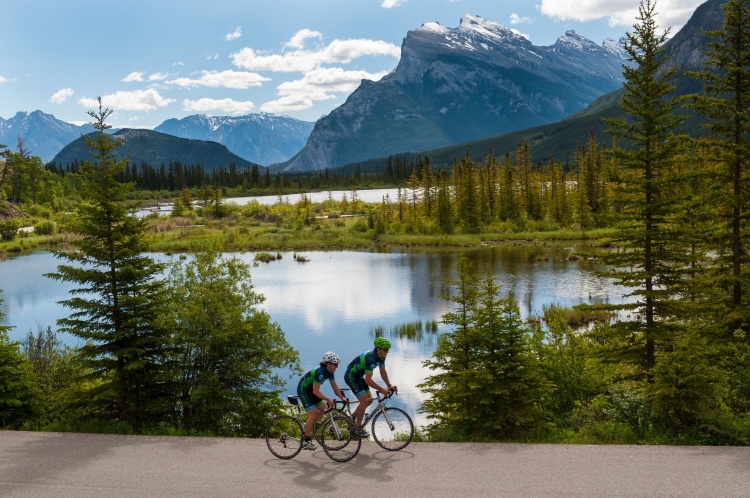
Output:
x=312 y=397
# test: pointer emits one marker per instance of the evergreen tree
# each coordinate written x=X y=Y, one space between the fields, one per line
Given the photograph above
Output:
x=118 y=295
x=645 y=229
x=444 y=203
x=54 y=366
x=488 y=383
x=429 y=189
x=450 y=402
x=20 y=399
x=726 y=104
x=509 y=207
x=467 y=193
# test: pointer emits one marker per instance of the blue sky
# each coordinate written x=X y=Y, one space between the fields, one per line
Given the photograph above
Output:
x=151 y=60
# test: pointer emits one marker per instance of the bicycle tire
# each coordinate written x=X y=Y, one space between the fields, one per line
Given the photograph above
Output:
x=399 y=436
x=317 y=430
x=342 y=442
x=284 y=437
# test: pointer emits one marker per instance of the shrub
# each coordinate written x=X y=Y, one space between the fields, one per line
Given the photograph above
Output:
x=9 y=229
x=45 y=227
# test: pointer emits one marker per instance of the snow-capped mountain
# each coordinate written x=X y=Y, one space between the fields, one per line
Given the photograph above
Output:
x=454 y=85
x=260 y=138
x=43 y=134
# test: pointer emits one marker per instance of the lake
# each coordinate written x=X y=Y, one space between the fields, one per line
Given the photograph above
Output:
x=336 y=299
x=369 y=196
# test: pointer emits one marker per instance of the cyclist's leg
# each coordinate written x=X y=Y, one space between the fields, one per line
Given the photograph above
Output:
x=362 y=392
x=310 y=402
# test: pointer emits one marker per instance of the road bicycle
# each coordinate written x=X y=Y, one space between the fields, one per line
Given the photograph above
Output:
x=336 y=432
x=391 y=427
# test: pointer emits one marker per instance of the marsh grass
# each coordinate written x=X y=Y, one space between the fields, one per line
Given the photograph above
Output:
x=578 y=316
x=413 y=331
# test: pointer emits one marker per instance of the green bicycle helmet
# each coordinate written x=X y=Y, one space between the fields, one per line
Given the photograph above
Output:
x=382 y=343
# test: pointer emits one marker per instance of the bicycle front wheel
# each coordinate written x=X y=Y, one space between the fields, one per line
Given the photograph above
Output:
x=284 y=436
x=392 y=429
x=340 y=439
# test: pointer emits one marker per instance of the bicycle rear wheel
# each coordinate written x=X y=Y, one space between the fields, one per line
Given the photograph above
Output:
x=340 y=439
x=392 y=430
x=284 y=437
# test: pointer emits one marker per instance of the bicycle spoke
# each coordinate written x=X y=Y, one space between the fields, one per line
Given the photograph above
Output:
x=392 y=430
x=339 y=439
x=284 y=437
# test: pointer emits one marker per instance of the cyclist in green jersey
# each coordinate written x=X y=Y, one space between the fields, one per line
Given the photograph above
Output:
x=358 y=377
x=312 y=398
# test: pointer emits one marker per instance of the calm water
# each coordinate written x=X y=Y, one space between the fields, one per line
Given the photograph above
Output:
x=334 y=301
x=370 y=196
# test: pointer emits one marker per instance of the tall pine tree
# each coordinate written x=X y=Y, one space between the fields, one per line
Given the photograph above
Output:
x=114 y=307
x=726 y=103
x=645 y=229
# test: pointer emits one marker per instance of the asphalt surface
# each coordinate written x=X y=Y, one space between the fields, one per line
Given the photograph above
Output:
x=44 y=465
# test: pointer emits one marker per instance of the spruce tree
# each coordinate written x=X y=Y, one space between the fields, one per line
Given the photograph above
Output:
x=20 y=397
x=114 y=307
x=726 y=102
x=487 y=384
x=645 y=231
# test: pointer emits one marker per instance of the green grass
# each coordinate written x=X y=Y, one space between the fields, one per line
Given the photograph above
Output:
x=234 y=235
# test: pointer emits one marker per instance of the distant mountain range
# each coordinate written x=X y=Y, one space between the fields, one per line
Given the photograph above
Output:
x=43 y=134
x=261 y=138
x=476 y=87
x=155 y=149
x=258 y=138
x=461 y=84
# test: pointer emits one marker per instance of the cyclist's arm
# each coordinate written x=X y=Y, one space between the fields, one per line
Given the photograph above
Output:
x=338 y=391
x=384 y=375
x=370 y=382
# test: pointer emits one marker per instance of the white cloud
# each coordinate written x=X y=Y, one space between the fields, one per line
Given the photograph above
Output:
x=228 y=79
x=388 y=4
x=61 y=96
x=138 y=76
x=525 y=35
x=322 y=80
x=673 y=13
x=137 y=100
x=178 y=63
x=234 y=34
x=339 y=51
x=224 y=105
x=289 y=103
x=516 y=19
x=298 y=40
x=134 y=76
x=3 y=79
x=318 y=84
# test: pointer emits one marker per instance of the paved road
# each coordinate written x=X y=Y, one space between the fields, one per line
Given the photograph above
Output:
x=44 y=465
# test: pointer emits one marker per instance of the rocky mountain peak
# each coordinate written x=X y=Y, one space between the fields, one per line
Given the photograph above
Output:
x=453 y=85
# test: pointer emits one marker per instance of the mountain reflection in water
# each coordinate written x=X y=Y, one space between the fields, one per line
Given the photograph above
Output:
x=337 y=299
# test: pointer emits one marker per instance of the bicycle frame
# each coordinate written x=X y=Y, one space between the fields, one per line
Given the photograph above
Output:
x=379 y=408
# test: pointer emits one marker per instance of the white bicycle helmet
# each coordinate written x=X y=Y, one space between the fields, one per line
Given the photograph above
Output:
x=331 y=357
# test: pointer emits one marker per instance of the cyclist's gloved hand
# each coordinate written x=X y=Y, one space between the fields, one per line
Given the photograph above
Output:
x=393 y=388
